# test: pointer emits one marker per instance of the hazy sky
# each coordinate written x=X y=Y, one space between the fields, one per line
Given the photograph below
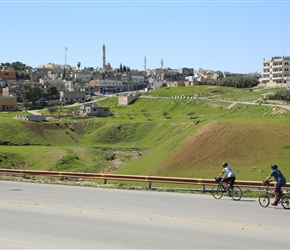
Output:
x=230 y=36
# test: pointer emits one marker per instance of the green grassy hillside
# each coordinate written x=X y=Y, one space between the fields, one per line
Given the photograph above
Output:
x=140 y=139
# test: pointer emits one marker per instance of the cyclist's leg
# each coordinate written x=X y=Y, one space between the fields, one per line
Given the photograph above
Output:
x=225 y=182
x=232 y=182
x=277 y=191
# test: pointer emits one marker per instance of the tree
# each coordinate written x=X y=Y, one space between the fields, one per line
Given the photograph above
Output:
x=52 y=91
x=129 y=115
x=190 y=113
x=52 y=109
x=26 y=105
x=63 y=74
x=147 y=115
x=143 y=111
x=165 y=113
x=79 y=65
x=32 y=92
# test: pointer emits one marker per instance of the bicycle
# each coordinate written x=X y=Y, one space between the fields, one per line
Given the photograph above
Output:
x=218 y=191
x=283 y=199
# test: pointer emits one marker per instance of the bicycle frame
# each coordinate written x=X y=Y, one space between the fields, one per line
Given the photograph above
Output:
x=219 y=190
x=283 y=199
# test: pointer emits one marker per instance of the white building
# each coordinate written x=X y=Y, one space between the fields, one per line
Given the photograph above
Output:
x=275 y=71
x=83 y=75
x=72 y=96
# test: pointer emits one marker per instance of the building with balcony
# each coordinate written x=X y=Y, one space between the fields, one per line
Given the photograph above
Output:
x=275 y=71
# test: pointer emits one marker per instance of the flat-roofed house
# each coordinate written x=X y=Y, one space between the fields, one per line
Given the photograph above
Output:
x=8 y=103
x=94 y=110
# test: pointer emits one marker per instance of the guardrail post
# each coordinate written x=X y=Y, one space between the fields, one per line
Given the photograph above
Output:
x=203 y=188
x=150 y=185
x=105 y=182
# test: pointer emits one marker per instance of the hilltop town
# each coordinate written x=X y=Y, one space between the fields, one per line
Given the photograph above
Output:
x=68 y=84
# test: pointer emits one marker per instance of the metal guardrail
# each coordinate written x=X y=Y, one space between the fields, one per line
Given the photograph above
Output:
x=137 y=178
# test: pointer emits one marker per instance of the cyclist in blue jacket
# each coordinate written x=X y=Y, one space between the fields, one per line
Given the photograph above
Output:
x=280 y=179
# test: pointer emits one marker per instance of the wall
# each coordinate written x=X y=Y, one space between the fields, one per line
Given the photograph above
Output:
x=126 y=100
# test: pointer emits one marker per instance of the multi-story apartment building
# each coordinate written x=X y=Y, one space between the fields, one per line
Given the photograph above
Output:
x=275 y=71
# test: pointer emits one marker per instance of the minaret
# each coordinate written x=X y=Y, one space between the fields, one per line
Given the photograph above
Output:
x=104 y=56
x=65 y=58
x=145 y=63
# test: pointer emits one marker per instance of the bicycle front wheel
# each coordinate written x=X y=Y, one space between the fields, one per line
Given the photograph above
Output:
x=217 y=192
x=285 y=201
x=264 y=200
x=236 y=193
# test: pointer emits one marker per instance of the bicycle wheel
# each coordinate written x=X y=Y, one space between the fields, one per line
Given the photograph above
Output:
x=236 y=193
x=285 y=201
x=217 y=192
x=264 y=200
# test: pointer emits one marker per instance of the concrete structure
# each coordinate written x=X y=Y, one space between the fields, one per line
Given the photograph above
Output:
x=275 y=71
x=83 y=75
x=8 y=75
x=32 y=118
x=51 y=66
x=93 y=110
x=72 y=96
x=110 y=86
x=105 y=65
x=288 y=83
x=39 y=73
x=126 y=100
x=8 y=103
x=172 y=76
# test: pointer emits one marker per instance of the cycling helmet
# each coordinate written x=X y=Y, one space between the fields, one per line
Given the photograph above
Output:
x=224 y=164
x=274 y=166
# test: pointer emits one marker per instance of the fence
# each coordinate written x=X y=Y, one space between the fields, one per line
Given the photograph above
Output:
x=136 y=178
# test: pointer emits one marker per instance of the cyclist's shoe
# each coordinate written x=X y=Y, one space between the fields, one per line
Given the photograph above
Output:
x=274 y=204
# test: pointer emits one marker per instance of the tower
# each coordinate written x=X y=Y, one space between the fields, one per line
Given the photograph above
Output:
x=161 y=63
x=104 y=56
x=65 y=59
x=145 y=63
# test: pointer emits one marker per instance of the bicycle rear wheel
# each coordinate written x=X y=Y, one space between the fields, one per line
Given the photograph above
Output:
x=217 y=192
x=236 y=193
x=264 y=200
x=285 y=201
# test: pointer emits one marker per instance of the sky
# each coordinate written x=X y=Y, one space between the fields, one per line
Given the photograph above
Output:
x=234 y=36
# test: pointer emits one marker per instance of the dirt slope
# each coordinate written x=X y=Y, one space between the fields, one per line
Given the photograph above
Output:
x=248 y=142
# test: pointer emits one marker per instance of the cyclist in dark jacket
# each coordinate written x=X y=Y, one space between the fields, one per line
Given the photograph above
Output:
x=280 y=179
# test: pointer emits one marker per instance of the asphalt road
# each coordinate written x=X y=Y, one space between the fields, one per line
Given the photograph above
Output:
x=41 y=216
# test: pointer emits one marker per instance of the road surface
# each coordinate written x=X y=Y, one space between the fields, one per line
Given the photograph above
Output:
x=42 y=216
